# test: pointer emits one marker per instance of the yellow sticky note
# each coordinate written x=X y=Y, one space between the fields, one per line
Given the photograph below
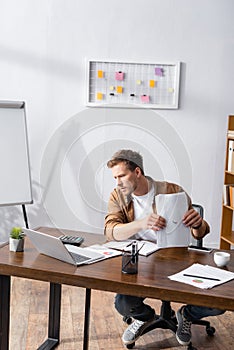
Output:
x=119 y=89
x=170 y=90
x=112 y=88
x=99 y=95
x=100 y=73
x=152 y=83
x=138 y=82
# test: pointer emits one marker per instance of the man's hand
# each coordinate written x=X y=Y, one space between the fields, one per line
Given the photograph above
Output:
x=192 y=219
x=154 y=222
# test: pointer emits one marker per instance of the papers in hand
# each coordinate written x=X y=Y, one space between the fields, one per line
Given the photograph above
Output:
x=203 y=276
x=173 y=207
x=145 y=247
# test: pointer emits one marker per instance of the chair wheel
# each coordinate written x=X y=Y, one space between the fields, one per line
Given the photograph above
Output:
x=130 y=346
x=210 y=330
x=191 y=347
x=127 y=319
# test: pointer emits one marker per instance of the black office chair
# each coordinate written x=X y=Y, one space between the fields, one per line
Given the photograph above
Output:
x=167 y=318
x=209 y=329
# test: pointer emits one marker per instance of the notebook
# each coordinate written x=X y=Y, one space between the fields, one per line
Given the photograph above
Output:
x=53 y=247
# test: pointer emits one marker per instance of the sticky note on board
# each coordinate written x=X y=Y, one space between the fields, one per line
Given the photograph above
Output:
x=100 y=74
x=112 y=88
x=159 y=71
x=119 y=89
x=145 y=98
x=152 y=83
x=119 y=76
x=170 y=90
x=99 y=95
x=138 y=82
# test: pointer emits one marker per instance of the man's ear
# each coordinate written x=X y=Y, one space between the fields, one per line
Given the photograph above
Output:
x=138 y=171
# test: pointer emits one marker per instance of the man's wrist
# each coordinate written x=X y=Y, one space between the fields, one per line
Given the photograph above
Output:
x=197 y=227
x=198 y=231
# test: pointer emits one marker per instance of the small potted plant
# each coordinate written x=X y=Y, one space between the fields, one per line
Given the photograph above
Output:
x=17 y=239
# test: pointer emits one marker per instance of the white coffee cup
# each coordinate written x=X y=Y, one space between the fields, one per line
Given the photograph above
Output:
x=221 y=258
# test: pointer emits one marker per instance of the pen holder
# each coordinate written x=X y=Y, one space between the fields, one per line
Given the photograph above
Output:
x=129 y=263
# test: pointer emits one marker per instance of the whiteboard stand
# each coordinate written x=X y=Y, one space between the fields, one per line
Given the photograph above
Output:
x=25 y=215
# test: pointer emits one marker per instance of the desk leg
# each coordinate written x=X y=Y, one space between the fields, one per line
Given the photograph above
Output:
x=87 y=319
x=54 y=318
x=5 y=287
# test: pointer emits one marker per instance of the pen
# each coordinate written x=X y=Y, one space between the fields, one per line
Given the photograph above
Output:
x=139 y=249
x=134 y=252
x=134 y=248
x=205 y=278
x=134 y=256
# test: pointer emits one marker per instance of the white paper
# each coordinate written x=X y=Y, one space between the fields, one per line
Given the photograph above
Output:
x=101 y=249
x=173 y=207
x=197 y=271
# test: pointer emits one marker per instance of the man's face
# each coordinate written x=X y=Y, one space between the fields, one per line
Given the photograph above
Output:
x=126 y=180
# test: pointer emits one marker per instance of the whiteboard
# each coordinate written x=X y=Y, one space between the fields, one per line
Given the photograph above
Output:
x=133 y=85
x=15 y=177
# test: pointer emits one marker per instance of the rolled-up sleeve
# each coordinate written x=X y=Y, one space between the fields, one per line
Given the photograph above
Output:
x=116 y=215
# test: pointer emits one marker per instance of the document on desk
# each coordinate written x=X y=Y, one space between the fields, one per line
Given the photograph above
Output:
x=173 y=207
x=106 y=252
x=203 y=276
x=145 y=247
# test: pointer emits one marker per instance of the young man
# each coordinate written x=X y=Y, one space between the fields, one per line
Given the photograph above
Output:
x=132 y=213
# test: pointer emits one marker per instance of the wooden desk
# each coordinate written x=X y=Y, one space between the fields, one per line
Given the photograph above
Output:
x=151 y=281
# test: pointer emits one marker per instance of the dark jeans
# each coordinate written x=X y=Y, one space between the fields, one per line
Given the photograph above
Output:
x=135 y=307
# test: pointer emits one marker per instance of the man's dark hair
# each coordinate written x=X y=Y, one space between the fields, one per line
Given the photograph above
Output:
x=131 y=158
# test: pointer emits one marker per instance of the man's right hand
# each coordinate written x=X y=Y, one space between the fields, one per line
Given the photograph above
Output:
x=154 y=222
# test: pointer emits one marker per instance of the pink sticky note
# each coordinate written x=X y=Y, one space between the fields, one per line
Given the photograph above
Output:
x=159 y=71
x=145 y=98
x=119 y=75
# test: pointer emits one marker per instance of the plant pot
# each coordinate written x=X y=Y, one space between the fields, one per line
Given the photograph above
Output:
x=16 y=245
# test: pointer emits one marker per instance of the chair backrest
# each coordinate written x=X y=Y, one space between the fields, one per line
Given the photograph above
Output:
x=200 y=210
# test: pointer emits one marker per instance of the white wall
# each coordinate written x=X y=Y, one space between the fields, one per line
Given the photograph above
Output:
x=43 y=48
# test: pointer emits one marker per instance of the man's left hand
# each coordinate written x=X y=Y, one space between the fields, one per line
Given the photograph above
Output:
x=192 y=219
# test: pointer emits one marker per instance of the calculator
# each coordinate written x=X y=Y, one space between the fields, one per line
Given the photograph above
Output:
x=74 y=240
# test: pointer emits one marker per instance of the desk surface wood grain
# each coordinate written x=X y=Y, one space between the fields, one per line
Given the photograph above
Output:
x=151 y=281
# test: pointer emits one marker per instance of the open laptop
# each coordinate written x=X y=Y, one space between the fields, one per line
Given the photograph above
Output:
x=52 y=246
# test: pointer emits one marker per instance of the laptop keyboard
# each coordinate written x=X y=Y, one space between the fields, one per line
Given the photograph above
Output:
x=79 y=258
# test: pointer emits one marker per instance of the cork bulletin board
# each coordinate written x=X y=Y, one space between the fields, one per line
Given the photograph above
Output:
x=133 y=85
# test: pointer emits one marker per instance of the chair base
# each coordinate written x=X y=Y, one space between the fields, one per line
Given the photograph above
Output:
x=167 y=320
x=209 y=329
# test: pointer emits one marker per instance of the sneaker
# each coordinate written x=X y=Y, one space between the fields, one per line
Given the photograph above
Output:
x=135 y=330
x=183 y=333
